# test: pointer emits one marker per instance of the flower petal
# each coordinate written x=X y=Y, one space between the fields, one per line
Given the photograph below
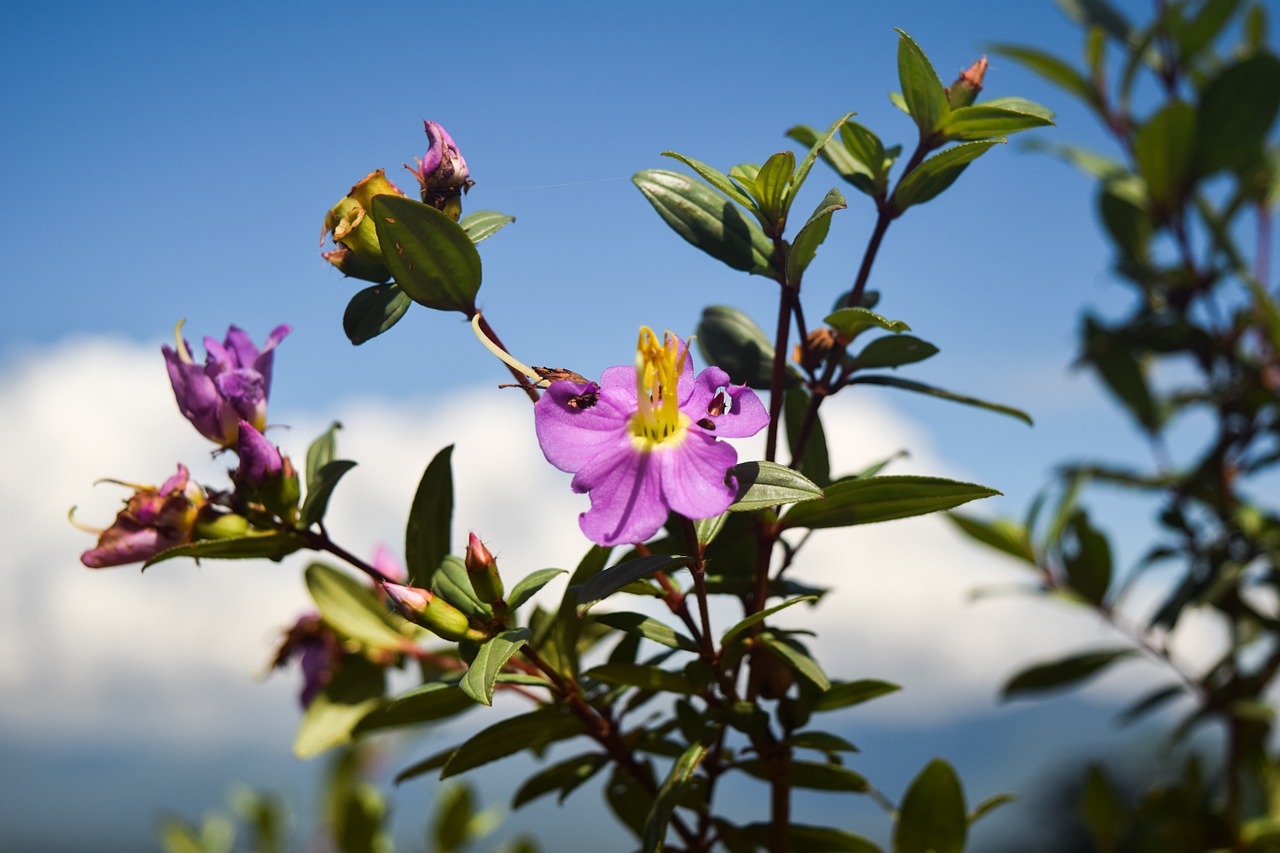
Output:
x=197 y=396
x=626 y=496
x=570 y=433
x=693 y=475
x=744 y=415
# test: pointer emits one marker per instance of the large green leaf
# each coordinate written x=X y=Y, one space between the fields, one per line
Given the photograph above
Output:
x=922 y=388
x=984 y=121
x=732 y=341
x=426 y=537
x=614 y=578
x=764 y=484
x=865 y=501
x=430 y=256
x=843 y=694
x=423 y=704
x=1063 y=673
x=894 y=351
x=707 y=220
x=1164 y=148
x=937 y=173
x=922 y=91
x=352 y=609
x=259 y=546
x=374 y=310
x=1237 y=109
x=484 y=223
x=320 y=489
x=649 y=628
x=664 y=804
x=489 y=661
x=534 y=730
x=933 y=818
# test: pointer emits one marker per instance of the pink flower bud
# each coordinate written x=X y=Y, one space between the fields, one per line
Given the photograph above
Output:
x=482 y=570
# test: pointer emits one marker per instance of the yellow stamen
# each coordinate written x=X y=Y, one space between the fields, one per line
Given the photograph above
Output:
x=658 y=367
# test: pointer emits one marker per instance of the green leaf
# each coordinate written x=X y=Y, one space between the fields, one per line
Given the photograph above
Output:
x=894 y=351
x=732 y=341
x=355 y=690
x=484 y=223
x=707 y=220
x=849 y=322
x=922 y=388
x=859 y=157
x=451 y=583
x=1121 y=371
x=1050 y=68
x=764 y=484
x=558 y=642
x=423 y=704
x=259 y=546
x=984 y=121
x=808 y=774
x=795 y=658
x=810 y=237
x=758 y=617
x=800 y=839
x=937 y=173
x=644 y=677
x=488 y=662
x=320 y=490
x=708 y=528
x=843 y=694
x=455 y=811
x=374 y=310
x=426 y=537
x=933 y=817
x=352 y=609
x=1063 y=673
x=849 y=502
x=1020 y=105
x=534 y=730
x=816 y=147
x=1001 y=534
x=429 y=255
x=564 y=776
x=922 y=91
x=649 y=628
x=1127 y=222
x=664 y=804
x=1202 y=29
x=614 y=578
x=772 y=182
x=821 y=742
x=629 y=798
x=1086 y=556
x=989 y=805
x=1164 y=148
x=716 y=178
x=321 y=452
x=1153 y=701
x=814 y=462
x=529 y=585
x=1238 y=107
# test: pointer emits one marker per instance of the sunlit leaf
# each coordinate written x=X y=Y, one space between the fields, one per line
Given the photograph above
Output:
x=430 y=256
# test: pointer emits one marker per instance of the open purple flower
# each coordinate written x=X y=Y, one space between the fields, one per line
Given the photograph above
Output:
x=233 y=383
x=153 y=520
x=644 y=441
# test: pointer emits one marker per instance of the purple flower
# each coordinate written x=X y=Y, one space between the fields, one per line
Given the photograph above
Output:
x=644 y=441
x=153 y=520
x=232 y=385
x=317 y=648
x=260 y=460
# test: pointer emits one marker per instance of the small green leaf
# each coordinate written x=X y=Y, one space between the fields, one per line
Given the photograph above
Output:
x=849 y=502
x=937 y=173
x=984 y=121
x=1086 y=556
x=484 y=223
x=708 y=528
x=821 y=742
x=933 y=818
x=355 y=690
x=989 y=805
x=758 y=617
x=1020 y=105
x=843 y=694
x=732 y=341
x=664 y=804
x=921 y=388
x=424 y=704
x=859 y=157
x=258 y=546
x=1153 y=701
x=529 y=585
x=804 y=839
x=894 y=351
x=1001 y=534
x=795 y=658
x=922 y=91
x=373 y=311
x=644 y=677
x=429 y=255
x=321 y=452
x=612 y=579
x=426 y=536
x=773 y=182
x=564 y=776
x=320 y=490
x=817 y=147
x=849 y=322
x=489 y=661
x=535 y=730
x=649 y=628
x=451 y=583
x=1164 y=148
x=716 y=178
x=810 y=237
x=808 y=774
x=763 y=484
x=352 y=609
x=707 y=220
x=1063 y=673
x=1050 y=68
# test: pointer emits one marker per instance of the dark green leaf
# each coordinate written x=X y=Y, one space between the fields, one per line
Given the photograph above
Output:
x=260 y=546
x=806 y=839
x=795 y=658
x=355 y=690
x=664 y=804
x=320 y=490
x=1164 y=147
x=922 y=91
x=1087 y=559
x=921 y=388
x=843 y=694
x=534 y=730
x=630 y=800
x=731 y=341
x=707 y=220
x=644 y=677
x=429 y=255
x=1063 y=673
x=560 y=640
x=849 y=502
x=351 y=608
x=894 y=351
x=937 y=173
x=423 y=704
x=989 y=805
x=1121 y=371
x=565 y=777
x=1153 y=701
x=612 y=579
x=484 y=223
x=374 y=310
x=649 y=628
x=984 y=121
x=1001 y=534
x=807 y=774
x=763 y=484
x=489 y=661
x=1202 y=29
x=820 y=741
x=758 y=617
x=455 y=811
x=1237 y=109
x=1127 y=222
x=811 y=235
x=321 y=452
x=451 y=583
x=716 y=178
x=852 y=321
x=426 y=537
x=932 y=818
x=814 y=461
x=529 y=585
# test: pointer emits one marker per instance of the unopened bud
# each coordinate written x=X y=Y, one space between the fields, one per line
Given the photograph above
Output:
x=965 y=90
x=482 y=570
x=442 y=172
x=817 y=346
x=430 y=611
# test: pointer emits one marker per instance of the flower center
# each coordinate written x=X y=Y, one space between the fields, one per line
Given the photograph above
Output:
x=658 y=419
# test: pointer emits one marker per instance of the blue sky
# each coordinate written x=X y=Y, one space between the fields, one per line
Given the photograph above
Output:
x=170 y=160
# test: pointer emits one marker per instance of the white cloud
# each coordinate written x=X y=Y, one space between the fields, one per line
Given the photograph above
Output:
x=175 y=651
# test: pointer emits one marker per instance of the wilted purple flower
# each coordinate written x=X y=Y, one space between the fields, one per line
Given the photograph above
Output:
x=318 y=650
x=644 y=440
x=233 y=383
x=153 y=520
x=442 y=172
x=260 y=460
